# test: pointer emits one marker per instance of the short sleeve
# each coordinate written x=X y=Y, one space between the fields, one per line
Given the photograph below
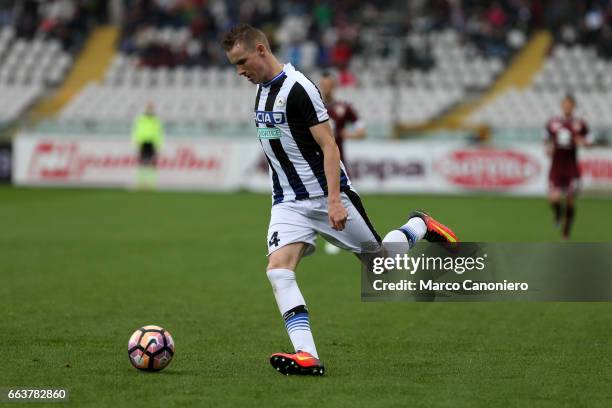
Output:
x=305 y=99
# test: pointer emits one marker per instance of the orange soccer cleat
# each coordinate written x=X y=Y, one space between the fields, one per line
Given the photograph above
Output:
x=436 y=231
x=300 y=363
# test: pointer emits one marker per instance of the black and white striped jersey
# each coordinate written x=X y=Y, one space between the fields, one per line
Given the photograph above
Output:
x=285 y=109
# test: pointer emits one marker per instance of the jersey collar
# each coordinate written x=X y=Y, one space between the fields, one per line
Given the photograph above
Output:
x=273 y=80
x=280 y=75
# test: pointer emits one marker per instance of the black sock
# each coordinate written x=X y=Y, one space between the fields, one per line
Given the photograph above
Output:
x=556 y=206
x=569 y=219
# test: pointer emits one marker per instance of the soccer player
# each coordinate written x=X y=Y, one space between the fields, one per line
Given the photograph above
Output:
x=345 y=124
x=312 y=193
x=563 y=136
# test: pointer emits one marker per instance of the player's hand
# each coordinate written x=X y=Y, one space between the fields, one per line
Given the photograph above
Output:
x=347 y=134
x=337 y=215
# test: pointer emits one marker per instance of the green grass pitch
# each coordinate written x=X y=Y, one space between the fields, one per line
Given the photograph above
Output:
x=82 y=269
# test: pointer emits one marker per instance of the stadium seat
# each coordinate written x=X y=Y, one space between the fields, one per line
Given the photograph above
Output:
x=420 y=95
x=27 y=68
x=576 y=69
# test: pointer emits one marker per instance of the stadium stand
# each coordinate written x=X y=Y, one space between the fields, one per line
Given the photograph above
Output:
x=170 y=55
x=416 y=63
x=27 y=68
x=37 y=43
x=212 y=94
x=37 y=62
x=577 y=69
x=580 y=62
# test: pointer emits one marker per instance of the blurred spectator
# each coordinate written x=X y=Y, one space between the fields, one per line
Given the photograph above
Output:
x=26 y=18
x=68 y=21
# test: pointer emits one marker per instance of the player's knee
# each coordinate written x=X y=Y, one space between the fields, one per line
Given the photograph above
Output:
x=273 y=274
x=277 y=263
x=395 y=236
x=286 y=257
x=395 y=243
x=280 y=278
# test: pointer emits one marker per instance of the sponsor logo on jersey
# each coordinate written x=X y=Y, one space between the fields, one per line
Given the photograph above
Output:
x=270 y=117
x=269 y=133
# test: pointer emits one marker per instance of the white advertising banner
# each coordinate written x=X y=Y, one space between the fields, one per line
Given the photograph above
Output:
x=445 y=168
x=200 y=164
x=508 y=169
x=390 y=166
x=596 y=169
x=257 y=175
x=215 y=164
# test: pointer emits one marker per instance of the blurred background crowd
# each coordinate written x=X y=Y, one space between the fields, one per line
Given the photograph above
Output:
x=69 y=21
x=329 y=33
x=322 y=33
x=441 y=52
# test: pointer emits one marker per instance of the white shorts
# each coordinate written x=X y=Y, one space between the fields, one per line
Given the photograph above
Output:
x=301 y=221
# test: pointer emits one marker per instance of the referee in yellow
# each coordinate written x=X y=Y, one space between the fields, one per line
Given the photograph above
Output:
x=148 y=137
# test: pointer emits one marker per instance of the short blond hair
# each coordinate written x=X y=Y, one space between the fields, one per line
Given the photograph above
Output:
x=244 y=34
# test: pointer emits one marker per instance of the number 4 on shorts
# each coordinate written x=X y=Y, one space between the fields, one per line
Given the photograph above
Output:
x=274 y=239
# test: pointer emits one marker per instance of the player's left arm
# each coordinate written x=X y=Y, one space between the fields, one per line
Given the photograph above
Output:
x=585 y=137
x=322 y=134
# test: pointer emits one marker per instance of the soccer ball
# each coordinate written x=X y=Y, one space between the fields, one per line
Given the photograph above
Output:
x=151 y=348
x=331 y=249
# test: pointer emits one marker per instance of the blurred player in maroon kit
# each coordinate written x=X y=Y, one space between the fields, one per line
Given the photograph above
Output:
x=344 y=119
x=345 y=124
x=563 y=136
